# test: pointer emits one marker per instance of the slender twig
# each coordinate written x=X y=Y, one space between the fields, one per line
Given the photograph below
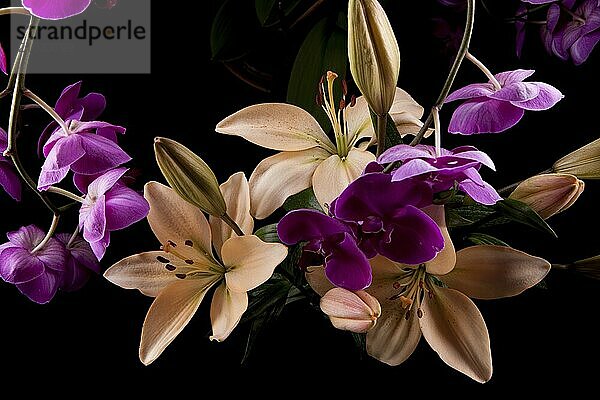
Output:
x=35 y=98
x=51 y=230
x=239 y=73
x=438 y=131
x=307 y=13
x=460 y=56
x=73 y=237
x=65 y=193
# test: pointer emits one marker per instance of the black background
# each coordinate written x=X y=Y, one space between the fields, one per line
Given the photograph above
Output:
x=542 y=338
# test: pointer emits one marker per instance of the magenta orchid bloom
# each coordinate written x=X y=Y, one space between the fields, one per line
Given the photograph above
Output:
x=489 y=109
x=3 y=63
x=37 y=275
x=109 y=206
x=56 y=9
x=87 y=148
x=80 y=264
x=70 y=106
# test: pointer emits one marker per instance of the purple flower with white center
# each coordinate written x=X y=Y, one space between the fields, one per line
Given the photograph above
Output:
x=109 y=206
x=3 y=64
x=80 y=265
x=459 y=166
x=496 y=107
x=37 y=275
x=389 y=218
x=56 y=9
x=346 y=266
x=9 y=180
x=87 y=148
x=70 y=106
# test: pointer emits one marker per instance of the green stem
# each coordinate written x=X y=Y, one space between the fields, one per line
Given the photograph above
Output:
x=73 y=237
x=484 y=69
x=65 y=193
x=13 y=10
x=381 y=133
x=229 y=221
x=42 y=244
x=36 y=99
x=460 y=56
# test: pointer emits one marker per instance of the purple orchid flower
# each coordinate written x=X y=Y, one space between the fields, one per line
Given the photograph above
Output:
x=538 y=1
x=56 y=9
x=458 y=166
x=3 y=62
x=9 y=180
x=389 y=218
x=70 y=106
x=38 y=275
x=80 y=265
x=109 y=206
x=582 y=33
x=521 y=29
x=346 y=266
x=87 y=148
x=489 y=109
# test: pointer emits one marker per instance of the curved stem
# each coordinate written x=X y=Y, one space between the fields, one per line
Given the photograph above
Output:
x=460 y=56
x=65 y=193
x=381 y=133
x=484 y=69
x=438 y=131
x=14 y=10
x=73 y=237
x=51 y=230
x=35 y=98
x=229 y=221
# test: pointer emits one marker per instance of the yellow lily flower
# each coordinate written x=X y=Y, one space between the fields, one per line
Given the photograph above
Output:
x=181 y=274
x=414 y=304
x=307 y=156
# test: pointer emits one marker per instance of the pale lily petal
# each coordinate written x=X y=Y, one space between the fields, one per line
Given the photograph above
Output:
x=316 y=278
x=358 y=118
x=455 y=329
x=226 y=311
x=492 y=272
x=146 y=272
x=250 y=261
x=334 y=174
x=388 y=276
x=170 y=313
x=403 y=102
x=175 y=221
x=278 y=177
x=394 y=338
x=276 y=126
x=351 y=311
x=237 y=198
x=445 y=260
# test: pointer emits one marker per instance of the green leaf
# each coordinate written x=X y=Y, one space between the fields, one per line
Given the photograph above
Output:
x=462 y=216
x=523 y=214
x=266 y=296
x=304 y=199
x=268 y=233
x=324 y=49
x=232 y=32
x=484 y=239
x=270 y=11
x=392 y=136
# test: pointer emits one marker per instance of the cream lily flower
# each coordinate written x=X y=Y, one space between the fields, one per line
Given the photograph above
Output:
x=182 y=273
x=307 y=156
x=432 y=300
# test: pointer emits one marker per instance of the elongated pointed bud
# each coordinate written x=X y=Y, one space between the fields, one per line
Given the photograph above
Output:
x=584 y=163
x=351 y=311
x=589 y=267
x=549 y=194
x=373 y=53
x=189 y=176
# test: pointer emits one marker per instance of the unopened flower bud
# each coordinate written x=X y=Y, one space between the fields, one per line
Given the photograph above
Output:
x=549 y=194
x=189 y=176
x=373 y=53
x=584 y=163
x=351 y=311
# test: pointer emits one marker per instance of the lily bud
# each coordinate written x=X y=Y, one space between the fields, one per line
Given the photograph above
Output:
x=373 y=53
x=189 y=176
x=549 y=194
x=589 y=267
x=583 y=163
x=351 y=311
